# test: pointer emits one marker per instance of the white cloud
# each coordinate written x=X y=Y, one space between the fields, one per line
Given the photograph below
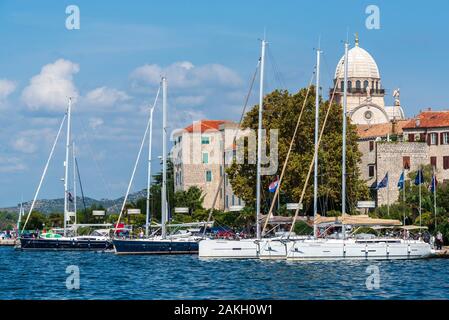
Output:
x=51 y=88
x=191 y=101
x=105 y=97
x=185 y=75
x=6 y=88
x=11 y=164
x=95 y=122
x=29 y=141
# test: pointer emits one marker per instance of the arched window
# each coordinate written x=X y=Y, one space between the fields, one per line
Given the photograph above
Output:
x=358 y=84
x=365 y=85
x=349 y=85
x=377 y=85
x=342 y=84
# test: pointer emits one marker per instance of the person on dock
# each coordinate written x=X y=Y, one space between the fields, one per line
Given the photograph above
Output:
x=439 y=240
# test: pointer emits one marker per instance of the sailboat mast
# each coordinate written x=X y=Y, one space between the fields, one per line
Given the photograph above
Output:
x=317 y=113
x=259 y=138
x=343 y=161
x=66 y=166
x=164 y=158
x=149 y=171
x=74 y=179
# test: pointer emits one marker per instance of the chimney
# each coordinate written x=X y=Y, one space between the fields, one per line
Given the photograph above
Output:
x=393 y=126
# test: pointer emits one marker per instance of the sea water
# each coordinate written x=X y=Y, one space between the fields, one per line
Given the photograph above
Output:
x=49 y=275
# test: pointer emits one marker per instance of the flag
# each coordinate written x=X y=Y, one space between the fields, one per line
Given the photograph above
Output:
x=383 y=183
x=419 y=179
x=401 y=181
x=433 y=184
x=70 y=196
x=273 y=186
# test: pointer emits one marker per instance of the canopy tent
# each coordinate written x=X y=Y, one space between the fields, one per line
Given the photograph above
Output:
x=357 y=220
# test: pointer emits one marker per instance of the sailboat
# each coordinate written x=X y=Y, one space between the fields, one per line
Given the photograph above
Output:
x=163 y=243
x=243 y=248
x=54 y=240
x=339 y=245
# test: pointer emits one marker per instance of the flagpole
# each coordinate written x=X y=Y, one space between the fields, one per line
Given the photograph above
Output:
x=388 y=198
x=435 y=196
x=403 y=199
x=420 y=173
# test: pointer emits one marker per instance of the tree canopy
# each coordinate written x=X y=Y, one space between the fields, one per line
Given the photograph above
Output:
x=281 y=112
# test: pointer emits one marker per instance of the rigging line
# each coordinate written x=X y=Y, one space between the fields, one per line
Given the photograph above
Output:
x=276 y=71
x=288 y=153
x=315 y=154
x=81 y=189
x=135 y=166
x=44 y=173
x=89 y=147
x=253 y=79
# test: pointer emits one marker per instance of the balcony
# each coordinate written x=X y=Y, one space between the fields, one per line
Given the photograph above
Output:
x=373 y=92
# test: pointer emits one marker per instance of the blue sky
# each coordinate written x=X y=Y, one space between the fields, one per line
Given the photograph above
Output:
x=208 y=49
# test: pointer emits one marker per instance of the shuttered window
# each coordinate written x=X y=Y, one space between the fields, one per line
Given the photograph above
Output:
x=444 y=137
x=411 y=137
x=433 y=162
x=446 y=162
x=406 y=163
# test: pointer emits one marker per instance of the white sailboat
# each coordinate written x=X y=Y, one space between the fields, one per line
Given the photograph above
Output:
x=244 y=248
x=54 y=240
x=339 y=245
x=163 y=243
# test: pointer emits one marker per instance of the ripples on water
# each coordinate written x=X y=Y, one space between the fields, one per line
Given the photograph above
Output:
x=41 y=275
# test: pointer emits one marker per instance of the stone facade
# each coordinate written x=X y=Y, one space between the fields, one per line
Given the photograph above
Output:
x=390 y=158
x=198 y=157
x=404 y=145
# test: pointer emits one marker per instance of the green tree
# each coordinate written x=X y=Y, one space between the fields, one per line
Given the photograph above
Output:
x=281 y=111
x=37 y=220
x=193 y=199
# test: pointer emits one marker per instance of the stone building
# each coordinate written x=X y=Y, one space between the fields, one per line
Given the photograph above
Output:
x=198 y=156
x=366 y=95
x=404 y=146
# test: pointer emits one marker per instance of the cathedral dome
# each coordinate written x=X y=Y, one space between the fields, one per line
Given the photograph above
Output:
x=361 y=65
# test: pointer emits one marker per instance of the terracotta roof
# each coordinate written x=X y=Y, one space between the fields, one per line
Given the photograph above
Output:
x=380 y=130
x=206 y=125
x=429 y=119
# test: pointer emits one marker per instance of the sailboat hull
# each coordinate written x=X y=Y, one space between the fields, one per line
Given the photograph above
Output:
x=139 y=246
x=67 y=245
x=229 y=249
x=345 y=250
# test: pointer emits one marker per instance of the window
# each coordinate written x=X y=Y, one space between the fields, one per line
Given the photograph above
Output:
x=349 y=85
x=240 y=201
x=233 y=200
x=422 y=137
x=446 y=162
x=406 y=163
x=411 y=137
x=208 y=176
x=227 y=201
x=433 y=139
x=221 y=171
x=433 y=162
x=377 y=86
x=358 y=84
x=445 y=138
x=342 y=84
x=371 y=170
x=371 y=145
x=205 y=140
x=366 y=85
x=205 y=158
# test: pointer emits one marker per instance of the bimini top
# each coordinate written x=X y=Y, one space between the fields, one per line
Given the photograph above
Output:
x=360 y=220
